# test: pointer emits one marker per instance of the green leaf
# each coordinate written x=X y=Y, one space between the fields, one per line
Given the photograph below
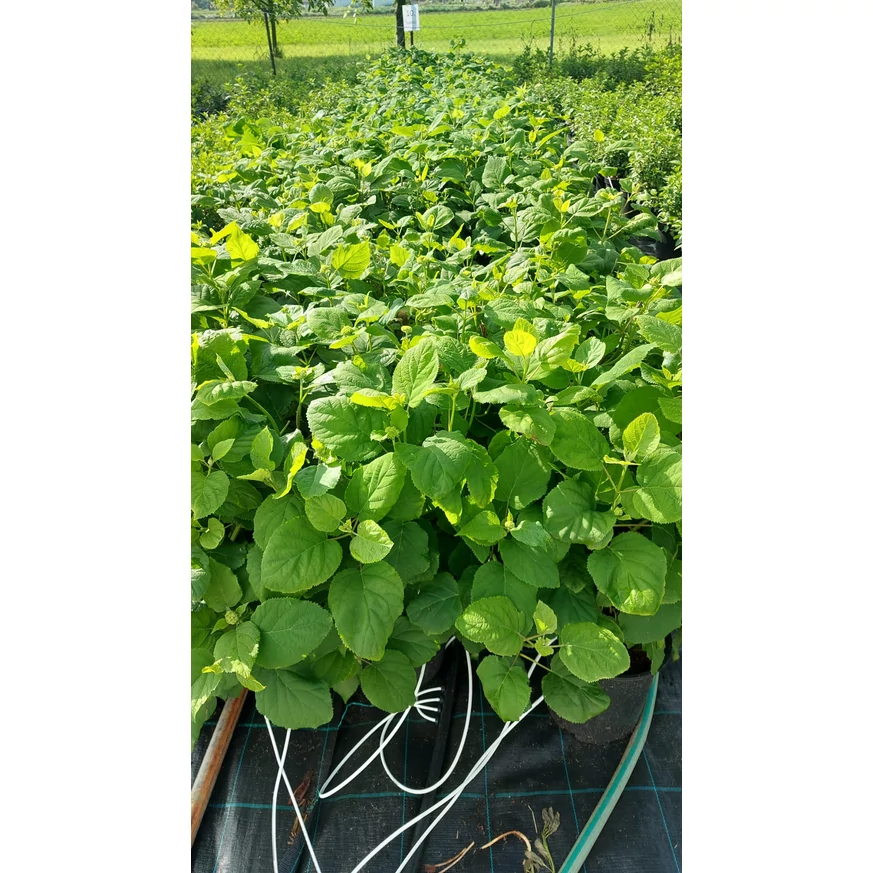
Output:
x=495 y=172
x=672 y=408
x=292 y=701
x=534 y=566
x=625 y=364
x=551 y=352
x=493 y=579
x=409 y=557
x=325 y=512
x=522 y=475
x=531 y=421
x=223 y=591
x=213 y=535
x=271 y=514
x=591 y=652
x=506 y=687
x=438 y=465
x=514 y=393
x=590 y=352
x=314 y=481
x=416 y=371
x=344 y=427
x=572 y=606
x=545 y=620
x=665 y=336
x=650 y=628
x=519 y=342
x=631 y=571
x=365 y=602
x=262 y=448
x=495 y=622
x=237 y=649
x=659 y=497
x=577 y=442
x=351 y=261
x=484 y=528
x=410 y=503
x=370 y=543
x=375 y=487
x=389 y=684
x=215 y=391
x=570 y=516
x=481 y=475
x=298 y=557
x=221 y=449
x=485 y=348
x=437 y=605
x=202 y=688
x=240 y=246
x=208 y=492
x=413 y=641
x=290 y=630
x=570 y=697
x=641 y=437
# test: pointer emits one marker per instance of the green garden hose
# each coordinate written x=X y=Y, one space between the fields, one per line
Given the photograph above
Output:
x=604 y=808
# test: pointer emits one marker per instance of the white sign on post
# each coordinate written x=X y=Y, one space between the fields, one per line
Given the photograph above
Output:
x=410 y=18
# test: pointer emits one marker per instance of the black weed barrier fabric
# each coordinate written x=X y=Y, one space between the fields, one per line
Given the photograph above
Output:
x=537 y=766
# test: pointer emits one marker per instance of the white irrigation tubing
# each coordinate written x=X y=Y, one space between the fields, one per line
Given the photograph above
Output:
x=447 y=802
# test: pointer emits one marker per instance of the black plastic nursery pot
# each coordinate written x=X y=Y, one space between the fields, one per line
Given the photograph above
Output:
x=627 y=695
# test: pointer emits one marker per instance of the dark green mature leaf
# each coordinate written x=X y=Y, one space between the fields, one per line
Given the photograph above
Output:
x=345 y=427
x=494 y=579
x=413 y=641
x=591 y=652
x=365 y=603
x=389 y=684
x=531 y=421
x=650 y=628
x=375 y=487
x=325 y=512
x=495 y=622
x=271 y=514
x=535 y=566
x=625 y=364
x=438 y=465
x=523 y=475
x=481 y=475
x=484 y=528
x=631 y=571
x=298 y=557
x=314 y=481
x=577 y=442
x=416 y=371
x=208 y=492
x=664 y=335
x=570 y=697
x=409 y=504
x=292 y=701
x=223 y=590
x=290 y=630
x=569 y=515
x=506 y=687
x=409 y=556
x=571 y=607
x=437 y=605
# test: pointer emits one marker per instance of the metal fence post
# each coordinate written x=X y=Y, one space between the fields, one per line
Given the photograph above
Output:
x=552 y=36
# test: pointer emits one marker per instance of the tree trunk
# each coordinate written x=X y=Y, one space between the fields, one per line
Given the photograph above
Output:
x=398 y=17
x=273 y=29
x=270 y=42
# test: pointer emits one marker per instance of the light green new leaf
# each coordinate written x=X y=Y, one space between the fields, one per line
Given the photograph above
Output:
x=570 y=516
x=509 y=393
x=389 y=684
x=519 y=342
x=223 y=591
x=481 y=475
x=531 y=421
x=298 y=557
x=577 y=442
x=313 y=481
x=437 y=605
x=262 y=448
x=214 y=391
x=292 y=701
x=236 y=649
x=290 y=630
x=551 y=352
x=641 y=437
x=208 y=492
x=659 y=497
x=325 y=512
x=350 y=261
x=522 y=475
x=213 y=535
x=365 y=602
x=375 y=487
x=495 y=622
x=664 y=335
x=631 y=571
x=591 y=652
x=485 y=348
x=370 y=543
x=346 y=428
x=570 y=697
x=590 y=352
x=545 y=620
x=506 y=687
x=672 y=408
x=416 y=371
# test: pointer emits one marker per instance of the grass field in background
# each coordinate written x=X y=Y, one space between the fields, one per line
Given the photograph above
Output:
x=218 y=47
